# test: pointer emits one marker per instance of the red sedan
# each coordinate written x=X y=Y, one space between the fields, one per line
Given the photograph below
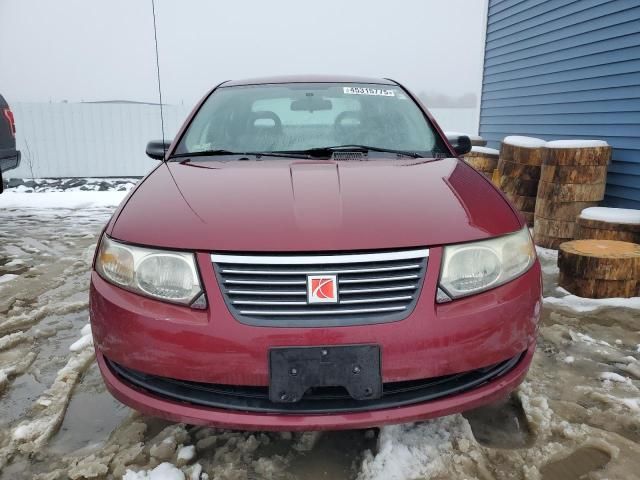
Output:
x=311 y=254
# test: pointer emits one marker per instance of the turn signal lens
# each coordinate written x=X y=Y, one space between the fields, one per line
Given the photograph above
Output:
x=116 y=264
x=165 y=275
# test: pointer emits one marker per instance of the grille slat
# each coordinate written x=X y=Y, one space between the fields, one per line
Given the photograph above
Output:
x=267 y=292
x=377 y=290
x=265 y=282
x=272 y=289
x=375 y=300
x=329 y=271
x=266 y=302
x=342 y=311
x=378 y=279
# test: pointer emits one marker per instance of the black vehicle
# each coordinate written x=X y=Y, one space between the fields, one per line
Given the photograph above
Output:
x=9 y=156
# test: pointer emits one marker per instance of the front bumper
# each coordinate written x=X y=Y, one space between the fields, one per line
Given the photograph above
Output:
x=178 y=411
x=211 y=347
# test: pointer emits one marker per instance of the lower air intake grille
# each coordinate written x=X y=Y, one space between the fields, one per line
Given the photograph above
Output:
x=321 y=290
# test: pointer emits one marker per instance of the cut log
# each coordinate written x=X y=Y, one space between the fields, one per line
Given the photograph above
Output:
x=529 y=217
x=585 y=233
x=554 y=210
x=518 y=186
x=555 y=228
x=599 y=268
x=571 y=192
x=548 y=242
x=522 y=155
x=600 y=259
x=578 y=156
x=604 y=230
x=495 y=178
x=518 y=170
x=573 y=174
x=591 y=288
x=523 y=203
x=482 y=161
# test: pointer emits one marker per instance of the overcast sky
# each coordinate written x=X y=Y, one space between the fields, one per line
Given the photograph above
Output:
x=103 y=49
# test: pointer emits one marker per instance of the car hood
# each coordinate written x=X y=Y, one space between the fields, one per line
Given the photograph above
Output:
x=310 y=205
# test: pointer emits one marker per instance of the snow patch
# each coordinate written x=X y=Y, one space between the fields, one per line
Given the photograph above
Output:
x=576 y=143
x=82 y=343
x=614 y=215
x=58 y=200
x=569 y=359
x=580 y=304
x=614 y=377
x=86 y=330
x=527 y=142
x=187 y=453
x=485 y=150
x=422 y=450
x=7 y=277
x=164 y=471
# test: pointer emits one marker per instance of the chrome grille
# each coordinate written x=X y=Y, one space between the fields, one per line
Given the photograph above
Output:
x=272 y=289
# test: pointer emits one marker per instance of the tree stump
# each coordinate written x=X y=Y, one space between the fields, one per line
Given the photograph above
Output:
x=483 y=159
x=599 y=268
x=519 y=172
x=609 y=224
x=495 y=178
x=572 y=178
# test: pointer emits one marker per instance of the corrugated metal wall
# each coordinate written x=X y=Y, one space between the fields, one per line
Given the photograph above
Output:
x=561 y=69
x=89 y=139
x=109 y=139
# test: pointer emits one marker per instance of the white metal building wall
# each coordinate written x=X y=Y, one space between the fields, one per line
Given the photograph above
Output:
x=89 y=139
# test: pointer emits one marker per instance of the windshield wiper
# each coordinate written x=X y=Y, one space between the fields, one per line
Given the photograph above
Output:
x=214 y=153
x=204 y=153
x=328 y=151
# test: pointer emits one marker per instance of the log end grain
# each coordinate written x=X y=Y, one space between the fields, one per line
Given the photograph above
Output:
x=599 y=268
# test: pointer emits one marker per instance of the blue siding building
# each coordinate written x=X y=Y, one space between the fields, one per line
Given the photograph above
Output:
x=561 y=69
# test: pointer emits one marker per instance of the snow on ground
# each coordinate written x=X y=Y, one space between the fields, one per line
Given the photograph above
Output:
x=52 y=201
x=164 y=471
x=581 y=396
x=580 y=304
x=615 y=215
x=30 y=185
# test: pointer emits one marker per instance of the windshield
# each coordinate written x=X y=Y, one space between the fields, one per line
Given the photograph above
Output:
x=303 y=116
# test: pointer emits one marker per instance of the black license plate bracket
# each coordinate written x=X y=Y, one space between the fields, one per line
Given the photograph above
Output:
x=294 y=370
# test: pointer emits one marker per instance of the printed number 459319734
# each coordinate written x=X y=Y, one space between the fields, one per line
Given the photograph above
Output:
x=383 y=92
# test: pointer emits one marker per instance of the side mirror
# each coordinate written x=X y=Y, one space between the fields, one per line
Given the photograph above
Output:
x=156 y=149
x=460 y=143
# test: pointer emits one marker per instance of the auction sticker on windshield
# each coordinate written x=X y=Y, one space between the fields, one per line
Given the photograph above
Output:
x=369 y=91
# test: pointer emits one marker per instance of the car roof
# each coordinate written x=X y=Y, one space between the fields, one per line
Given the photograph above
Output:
x=308 y=79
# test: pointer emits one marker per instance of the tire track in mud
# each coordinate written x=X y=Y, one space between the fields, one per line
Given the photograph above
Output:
x=581 y=398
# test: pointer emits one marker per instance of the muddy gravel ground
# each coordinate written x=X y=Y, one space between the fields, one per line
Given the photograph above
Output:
x=576 y=416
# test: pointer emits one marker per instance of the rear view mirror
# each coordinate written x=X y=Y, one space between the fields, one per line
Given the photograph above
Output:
x=461 y=144
x=311 y=104
x=156 y=149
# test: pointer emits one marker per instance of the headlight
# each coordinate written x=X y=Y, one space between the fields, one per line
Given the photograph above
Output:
x=161 y=274
x=474 y=267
